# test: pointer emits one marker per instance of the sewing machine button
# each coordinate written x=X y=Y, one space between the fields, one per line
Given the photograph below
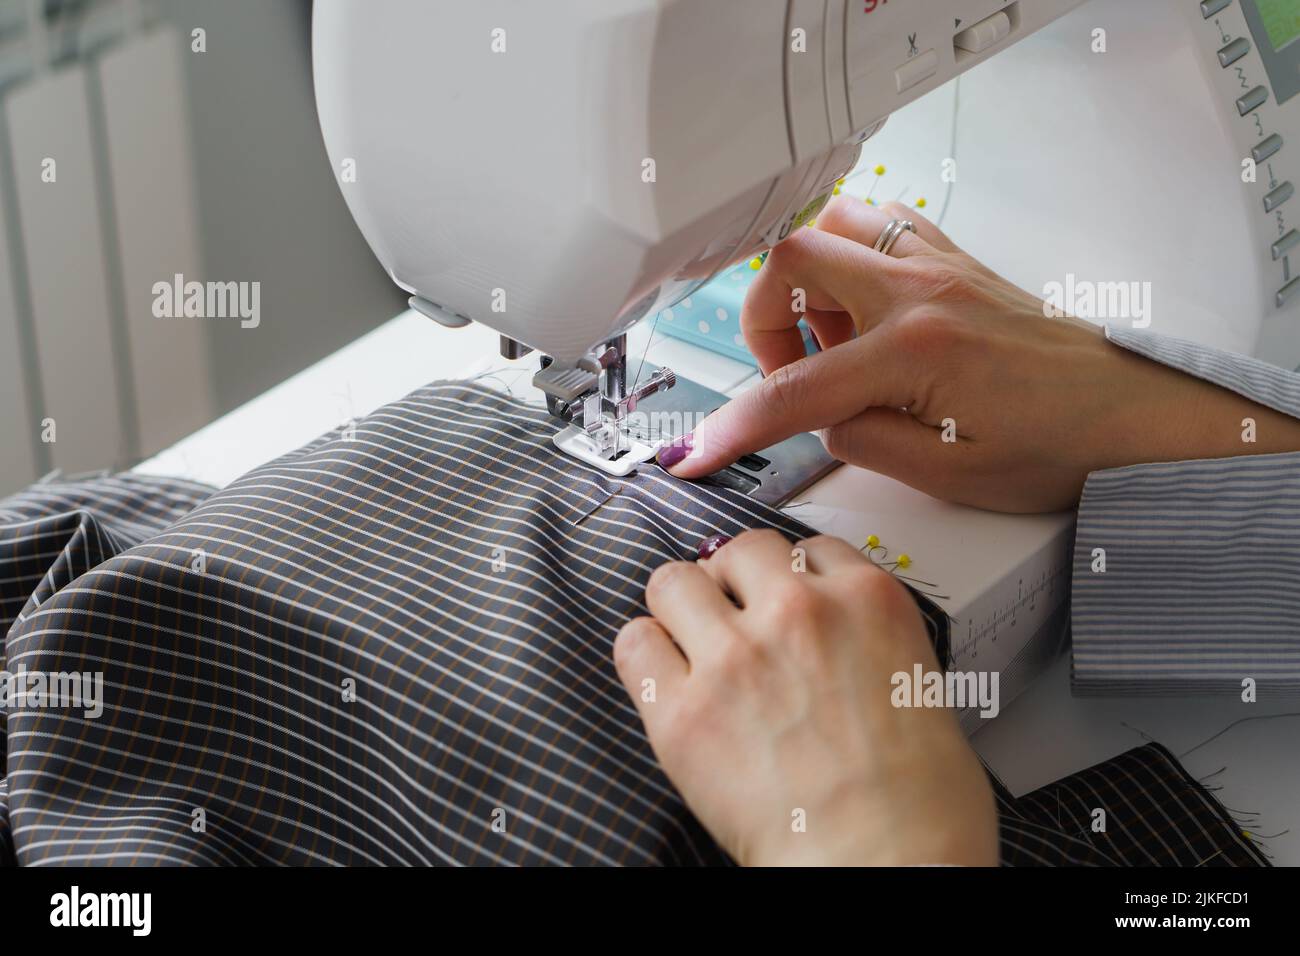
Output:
x=916 y=70
x=1252 y=100
x=1278 y=196
x=1285 y=244
x=1210 y=7
x=1266 y=148
x=1285 y=293
x=1234 y=51
x=987 y=33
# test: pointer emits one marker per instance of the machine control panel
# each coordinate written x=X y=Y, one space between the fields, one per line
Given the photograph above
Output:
x=1256 y=46
x=896 y=47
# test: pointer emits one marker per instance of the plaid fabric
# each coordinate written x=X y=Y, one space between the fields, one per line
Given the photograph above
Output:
x=394 y=646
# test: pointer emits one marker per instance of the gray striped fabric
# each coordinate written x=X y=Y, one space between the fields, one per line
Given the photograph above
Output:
x=484 y=692
x=1202 y=582
x=391 y=646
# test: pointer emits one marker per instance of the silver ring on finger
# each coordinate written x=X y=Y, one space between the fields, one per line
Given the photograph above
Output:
x=893 y=232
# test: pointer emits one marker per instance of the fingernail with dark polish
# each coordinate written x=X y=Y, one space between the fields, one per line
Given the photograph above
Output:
x=676 y=453
x=711 y=546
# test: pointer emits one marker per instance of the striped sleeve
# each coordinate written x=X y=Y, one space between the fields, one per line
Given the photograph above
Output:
x=1186 y=575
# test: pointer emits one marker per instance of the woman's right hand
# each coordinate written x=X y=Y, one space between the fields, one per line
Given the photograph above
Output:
x=775 y=699
x=938 y=373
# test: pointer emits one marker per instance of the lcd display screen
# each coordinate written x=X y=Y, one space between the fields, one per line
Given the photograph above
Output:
x=1281 y=19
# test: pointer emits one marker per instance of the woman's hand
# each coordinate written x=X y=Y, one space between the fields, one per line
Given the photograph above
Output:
x=936 y=372
x=766 y=694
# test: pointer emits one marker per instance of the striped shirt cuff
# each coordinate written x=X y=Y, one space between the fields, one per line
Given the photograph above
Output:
x=1186 y=575
x=1260 y=382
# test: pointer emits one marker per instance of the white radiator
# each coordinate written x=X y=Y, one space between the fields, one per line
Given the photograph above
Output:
x=89 y=378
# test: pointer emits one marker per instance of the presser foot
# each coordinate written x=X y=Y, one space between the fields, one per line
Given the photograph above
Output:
x=585 y=447
x=593 y=397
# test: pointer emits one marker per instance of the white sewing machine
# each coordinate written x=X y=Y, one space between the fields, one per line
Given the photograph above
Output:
x=522 y=172
x=671 y=140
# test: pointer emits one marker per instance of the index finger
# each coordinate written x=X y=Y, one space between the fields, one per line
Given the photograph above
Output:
x=771 y=315
x=806 y=395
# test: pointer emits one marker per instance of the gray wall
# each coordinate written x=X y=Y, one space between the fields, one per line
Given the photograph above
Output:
x=209 y=164
x=269 y=208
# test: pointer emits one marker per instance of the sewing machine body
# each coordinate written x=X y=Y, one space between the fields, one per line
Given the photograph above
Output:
x=666 y=140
